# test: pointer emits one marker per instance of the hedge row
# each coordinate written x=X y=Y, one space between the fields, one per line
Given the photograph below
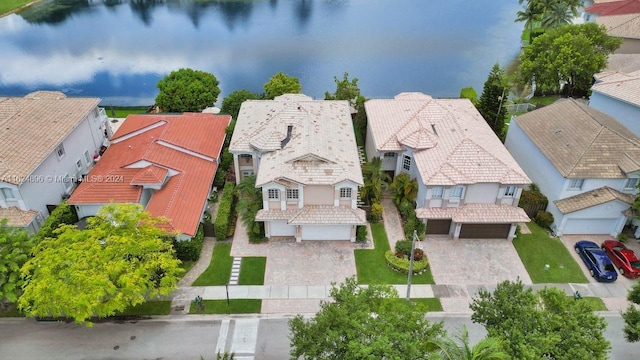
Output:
x=225 y=211
x=63 y=214
x=189 y=250
x=402 y=264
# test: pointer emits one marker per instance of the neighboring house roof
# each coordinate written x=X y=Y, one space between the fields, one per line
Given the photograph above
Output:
x=316 y=215
x=622 y=86
x=476 y=213
x=615 y=7
x=625 y=26
x=177 y=152
x=592 y=198
x=301 y=140
x=16 y=217
x=625 y=63
x=452 y=143
x=581 y=142
x=31 y=127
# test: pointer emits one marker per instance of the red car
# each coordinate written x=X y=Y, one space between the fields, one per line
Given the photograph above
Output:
x=625 y=259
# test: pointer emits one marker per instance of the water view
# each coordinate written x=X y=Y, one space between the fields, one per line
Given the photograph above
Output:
x=118 y=49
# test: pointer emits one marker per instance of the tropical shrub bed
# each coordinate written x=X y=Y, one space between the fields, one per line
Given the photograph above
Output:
x=401 y=264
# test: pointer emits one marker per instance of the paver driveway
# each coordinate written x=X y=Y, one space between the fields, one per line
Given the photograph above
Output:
x=304 y=263
x=473 y=261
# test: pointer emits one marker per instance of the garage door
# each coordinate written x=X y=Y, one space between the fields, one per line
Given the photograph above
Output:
x=438 y=227
x=281 y=228
x=485 y=231
x=326 y=232
x=589 y=226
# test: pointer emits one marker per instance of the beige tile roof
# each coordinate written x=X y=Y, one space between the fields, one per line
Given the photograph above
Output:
x=476 y=214
x=626 y=26
x=454 y=144
x=321 y=151
x=622 y=86
x=16 y=217
x=592 y=198
x=31 y=127
x=581 y=142
x=316 y=215
x=625 y=63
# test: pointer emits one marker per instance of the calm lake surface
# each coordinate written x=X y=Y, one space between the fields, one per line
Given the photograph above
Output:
x=118 y=49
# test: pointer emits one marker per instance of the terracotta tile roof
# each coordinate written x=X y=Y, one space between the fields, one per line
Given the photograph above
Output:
x=592 y=198
x=454 y=144
x=147 y=148
x=625 y=26
x=476 y=214
x=580 y=141
x=31 y=128
x=320 y=151
x=615 y=7
x=622 y=86
x=16 y=217
x=316 y=215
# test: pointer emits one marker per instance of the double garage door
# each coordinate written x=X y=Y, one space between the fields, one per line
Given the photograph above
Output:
x=484 y=231
x=589 y=226
x=311 y=232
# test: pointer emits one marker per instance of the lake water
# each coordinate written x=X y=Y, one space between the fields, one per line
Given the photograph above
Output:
x=118 y=49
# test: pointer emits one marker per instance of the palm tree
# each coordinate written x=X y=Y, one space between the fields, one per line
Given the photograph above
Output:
x=404 y=189
x=249 y=203
x=558 y=15
x=375 y=181
x=530 y=15
x=450 y=349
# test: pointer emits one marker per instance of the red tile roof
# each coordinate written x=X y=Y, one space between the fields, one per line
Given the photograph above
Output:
x=146 y=149
x=615 y=8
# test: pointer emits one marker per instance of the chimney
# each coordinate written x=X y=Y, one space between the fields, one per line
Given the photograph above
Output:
x=286 y=140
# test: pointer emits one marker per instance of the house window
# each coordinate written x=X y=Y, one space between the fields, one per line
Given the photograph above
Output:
x=87 y=158
x=436 y=192
x=96 y=113
x=7 y=193
x=274 y=194
x=345 y=193
x=292 y=194
x=406 y=163
x=60 y=151
x=631 y=183
x=245 y=156
x=247 y=173
x=79 y=165
x=67 y=182
x=510 y=191
x=389 y=154
x=576 y=184
x=455 y=192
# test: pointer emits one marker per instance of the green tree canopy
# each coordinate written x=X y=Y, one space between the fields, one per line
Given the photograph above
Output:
x=571 y=54
x=121 y=259
x=280 y=84
x=631 y=315
x=363 y=323
x=375 y=181
x=249 y=203
x=565 y=329
x=15 y=248
x=458 y=348
x=232 y=102
x=345 y=89
x=187 y=90
x=469 y=93
x=490 y=102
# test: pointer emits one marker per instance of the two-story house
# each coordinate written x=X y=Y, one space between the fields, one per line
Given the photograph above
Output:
x=584 y=161
x=164 y=162
x=47 y=142
x=304 y=156
x=617 y=94
x=469 y=185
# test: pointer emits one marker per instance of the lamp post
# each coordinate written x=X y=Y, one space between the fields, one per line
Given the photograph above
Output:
x=413 y=243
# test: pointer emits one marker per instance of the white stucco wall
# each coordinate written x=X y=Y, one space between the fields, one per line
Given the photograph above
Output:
x=611 y=211
x=87 y=210
x=627 y=114
x=592 y=184
x=482 y=193
x=370 y=145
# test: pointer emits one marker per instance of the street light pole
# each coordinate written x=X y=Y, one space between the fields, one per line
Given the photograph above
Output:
x=413 y=246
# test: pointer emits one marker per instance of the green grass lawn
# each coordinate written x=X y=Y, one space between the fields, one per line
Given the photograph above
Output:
x=538 y=248
x=186 y=266
x=123 y=111
x=372 y=267
x=596 y=303
x=8 y=5
x=148 y=308
x=252 y=271
x=544 y=100
x=219 y=269
x=236 y=306
x=433 y=304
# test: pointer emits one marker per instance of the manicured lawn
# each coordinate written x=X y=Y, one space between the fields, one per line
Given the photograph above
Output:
x=538 y=249
x=252 y=271
x=149 y=308
x=186 y=266
x=123 y=111
x=219 y=269
x=433 y=304
x=8 y=5
x=236 y=306
x=596 y=303
x=372 y=267
x=544 y=100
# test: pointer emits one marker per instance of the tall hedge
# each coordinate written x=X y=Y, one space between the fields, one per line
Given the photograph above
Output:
x=225 y=211
x=189 y=250
x=63 y=214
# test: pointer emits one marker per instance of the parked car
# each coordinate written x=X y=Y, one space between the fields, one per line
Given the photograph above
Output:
x=625 y=259
x=597 y=261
